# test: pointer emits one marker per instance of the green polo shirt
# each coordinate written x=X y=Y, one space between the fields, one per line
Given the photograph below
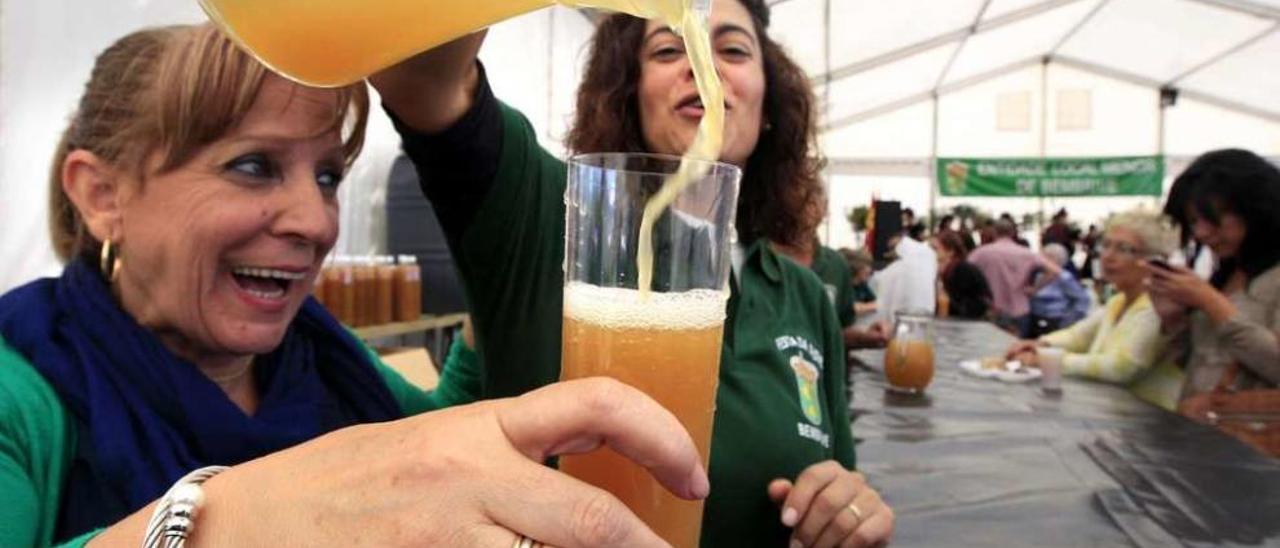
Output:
x=782 y=402
x=830 y=267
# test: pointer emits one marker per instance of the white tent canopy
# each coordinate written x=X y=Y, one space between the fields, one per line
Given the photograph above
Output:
x=901 y=81
x=877 y=60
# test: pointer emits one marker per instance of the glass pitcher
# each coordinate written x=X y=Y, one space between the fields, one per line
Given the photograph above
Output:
x=330 y=43
x=908 y=360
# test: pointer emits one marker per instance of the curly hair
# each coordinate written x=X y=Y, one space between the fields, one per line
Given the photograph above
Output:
x=781 y=180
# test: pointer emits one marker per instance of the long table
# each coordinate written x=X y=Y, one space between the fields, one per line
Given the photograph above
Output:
x=978 y=462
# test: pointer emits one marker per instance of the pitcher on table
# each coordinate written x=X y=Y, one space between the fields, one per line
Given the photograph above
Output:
x=908 y=360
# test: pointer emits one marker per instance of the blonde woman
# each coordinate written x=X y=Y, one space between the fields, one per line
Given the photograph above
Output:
x=194 y=197
x=1121 y=342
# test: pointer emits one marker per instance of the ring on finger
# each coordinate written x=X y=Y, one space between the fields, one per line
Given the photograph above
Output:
x=857 y=513
x=526 y=542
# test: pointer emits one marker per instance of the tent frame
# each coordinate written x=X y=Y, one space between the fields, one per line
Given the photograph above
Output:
x=962 y=36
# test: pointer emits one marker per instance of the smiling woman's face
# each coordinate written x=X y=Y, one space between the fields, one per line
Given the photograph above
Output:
x=219 y=253
x=669 y=106
x=1224 y=237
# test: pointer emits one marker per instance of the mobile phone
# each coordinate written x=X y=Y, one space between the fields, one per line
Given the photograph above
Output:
x=1160 y=263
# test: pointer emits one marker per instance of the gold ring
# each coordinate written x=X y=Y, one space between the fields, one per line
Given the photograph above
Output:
x=856 y=512
x=525 y=542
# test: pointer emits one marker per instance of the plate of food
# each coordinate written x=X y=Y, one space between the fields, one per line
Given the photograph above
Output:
x=1000 y=369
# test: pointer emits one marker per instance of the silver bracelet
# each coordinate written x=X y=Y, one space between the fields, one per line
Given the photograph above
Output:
x=175 y=514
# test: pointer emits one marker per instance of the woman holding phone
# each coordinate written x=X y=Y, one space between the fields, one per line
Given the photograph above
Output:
x=1229 y=201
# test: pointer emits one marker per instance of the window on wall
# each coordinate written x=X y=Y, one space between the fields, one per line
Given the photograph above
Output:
x=1013 y=111
x=1075 y=110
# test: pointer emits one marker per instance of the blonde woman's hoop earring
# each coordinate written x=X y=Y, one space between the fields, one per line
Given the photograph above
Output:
x=108 y=261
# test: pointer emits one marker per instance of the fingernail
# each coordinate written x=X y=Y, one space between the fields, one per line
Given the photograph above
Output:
x=789 y=518
x=796 y=544
x=700 y=486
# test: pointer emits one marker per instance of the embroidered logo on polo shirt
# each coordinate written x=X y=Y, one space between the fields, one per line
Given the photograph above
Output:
x=807 y=384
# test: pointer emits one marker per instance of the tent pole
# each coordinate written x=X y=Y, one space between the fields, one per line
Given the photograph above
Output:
x=826 y=107
x=551 y=72
x=933 y=167
x=1044 y=130
x=1163 y=106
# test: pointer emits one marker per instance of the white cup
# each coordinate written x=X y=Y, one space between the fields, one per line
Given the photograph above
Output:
x=1050 y=361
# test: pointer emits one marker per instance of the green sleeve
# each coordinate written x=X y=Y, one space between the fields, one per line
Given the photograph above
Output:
x=82 y=540
x=36 y=440
x=460 y=379
x=412 y=400
x=830 y=267
x=844 y=300
x=459 y=382
x=837 y=390
x=511 y=260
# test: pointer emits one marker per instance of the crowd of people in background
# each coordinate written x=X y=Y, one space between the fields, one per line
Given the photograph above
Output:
x=988 y=270
x=1190 y=328
x=994 y=276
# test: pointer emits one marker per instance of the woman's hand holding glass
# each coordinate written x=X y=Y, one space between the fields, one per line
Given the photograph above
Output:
x=466 y=476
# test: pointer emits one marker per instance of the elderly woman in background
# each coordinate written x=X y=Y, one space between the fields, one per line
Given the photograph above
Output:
x=1058 y=300
x=194 y=198
x=1121 y=342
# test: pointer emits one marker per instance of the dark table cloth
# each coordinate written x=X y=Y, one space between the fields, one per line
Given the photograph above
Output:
x=979 y=462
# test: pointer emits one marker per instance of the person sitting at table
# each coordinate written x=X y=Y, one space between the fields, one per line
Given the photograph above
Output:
x=961 y=284
x=194 y=198
x=948 y=224
x=1008 y=265
x=909 y=284
x=833 y=272
x=1230 y=202
x=860 y=264
x=1058 y=300
x=783 y=460
x=1121 y=341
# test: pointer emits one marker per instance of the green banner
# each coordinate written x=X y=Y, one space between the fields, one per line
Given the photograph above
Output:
x=1051 y=177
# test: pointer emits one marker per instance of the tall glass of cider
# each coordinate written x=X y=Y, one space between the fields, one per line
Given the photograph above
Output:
x=664 y=341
